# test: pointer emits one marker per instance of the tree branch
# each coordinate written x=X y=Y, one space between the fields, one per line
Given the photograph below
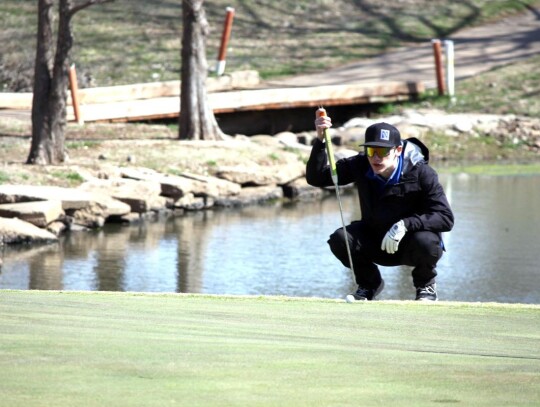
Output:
x=76 y=9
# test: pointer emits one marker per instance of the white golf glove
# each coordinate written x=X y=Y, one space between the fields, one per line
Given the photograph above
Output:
x=392 y=238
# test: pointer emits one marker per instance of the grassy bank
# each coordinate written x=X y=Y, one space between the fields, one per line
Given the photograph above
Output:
x=97 y=349
x=139 y=40
x=506 y=90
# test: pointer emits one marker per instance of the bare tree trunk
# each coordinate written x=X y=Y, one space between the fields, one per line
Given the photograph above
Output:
x=51 y=82
x=197 y=120
x=40 y=149
x=59 y=85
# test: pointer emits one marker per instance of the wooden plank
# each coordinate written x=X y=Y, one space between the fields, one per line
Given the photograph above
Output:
x=282 y=98
x=158 y=89
x=253 y=99
x=256 y=99
x=128 y=92
x=235 y=80
x=129 y=110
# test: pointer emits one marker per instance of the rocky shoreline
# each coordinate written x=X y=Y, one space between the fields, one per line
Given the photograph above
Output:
x=37 y=213
x=32 y=213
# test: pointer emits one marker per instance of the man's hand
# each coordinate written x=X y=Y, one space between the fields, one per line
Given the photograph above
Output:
x=322 y=123
x=392 y=238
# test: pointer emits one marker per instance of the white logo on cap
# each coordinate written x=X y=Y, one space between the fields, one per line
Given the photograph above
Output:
x=385 y=134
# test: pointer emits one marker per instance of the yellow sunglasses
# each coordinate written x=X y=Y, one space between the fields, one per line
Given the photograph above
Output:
x=380 y=151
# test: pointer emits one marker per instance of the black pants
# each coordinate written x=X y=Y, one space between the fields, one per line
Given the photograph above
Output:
x=422 y=250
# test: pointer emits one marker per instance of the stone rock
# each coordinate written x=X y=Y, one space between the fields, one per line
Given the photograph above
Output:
x=176 y=186
x=38 y=213
x=172 y=186
x=190 y=203
x=93 y=216
x=298 y=145
x=131 y=218
x=14 y=231
x=353 y=135
x=70 y=198
x=417 y=122
x=307 y=138
x=287 y=137
x=222 y=186
x=74 y=227
x=57 y=227
x=301 y=190
x=290 y=172
x=292 y=140
x=465 y=126
x=361 y=122
x=252 y=196
x=114 y=207
x=141 y=196
x=260 y=176
x=244 y=175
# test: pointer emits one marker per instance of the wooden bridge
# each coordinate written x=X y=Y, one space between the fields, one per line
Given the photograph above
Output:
x=237 y=92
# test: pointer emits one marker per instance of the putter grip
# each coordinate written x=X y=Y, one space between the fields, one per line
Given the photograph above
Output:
x=322 y=112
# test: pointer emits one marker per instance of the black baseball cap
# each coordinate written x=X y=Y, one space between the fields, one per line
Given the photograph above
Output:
x=382 y=135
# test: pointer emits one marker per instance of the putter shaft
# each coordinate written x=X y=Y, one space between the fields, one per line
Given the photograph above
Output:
x=332 y=161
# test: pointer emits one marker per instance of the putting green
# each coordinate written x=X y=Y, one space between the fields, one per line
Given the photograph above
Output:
x=125 y=349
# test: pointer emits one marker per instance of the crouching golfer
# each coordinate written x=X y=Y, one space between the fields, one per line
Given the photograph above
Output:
x=403 y=205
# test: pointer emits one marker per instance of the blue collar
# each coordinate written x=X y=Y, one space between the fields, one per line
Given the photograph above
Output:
x=394 y=178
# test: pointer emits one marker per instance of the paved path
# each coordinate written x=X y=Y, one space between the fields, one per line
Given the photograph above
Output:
x=476 y=50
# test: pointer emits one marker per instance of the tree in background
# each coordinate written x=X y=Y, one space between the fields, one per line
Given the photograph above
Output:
x=51 y=72
x=197 y=120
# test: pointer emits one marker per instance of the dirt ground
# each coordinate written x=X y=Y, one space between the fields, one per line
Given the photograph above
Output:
x=95 y=152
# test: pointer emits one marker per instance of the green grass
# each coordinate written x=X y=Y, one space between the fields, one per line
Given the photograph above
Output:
x=4 y=177
x=139 y=40
x=125 y=43
x=509 y=89
x=97 y=349
x=86 y=144
x=73 y=178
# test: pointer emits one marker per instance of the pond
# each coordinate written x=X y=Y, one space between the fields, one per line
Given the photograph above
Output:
x=281 y=249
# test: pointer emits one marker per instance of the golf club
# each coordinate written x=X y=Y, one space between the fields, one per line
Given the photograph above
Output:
x=332 y=161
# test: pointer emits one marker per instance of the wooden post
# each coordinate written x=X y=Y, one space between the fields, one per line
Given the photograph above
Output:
x=450 y=81
x=75 y=94
x=227 y=26
x=438 y=65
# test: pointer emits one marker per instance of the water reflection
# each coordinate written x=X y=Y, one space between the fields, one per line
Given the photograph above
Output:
x=281 y=250
x=493 y=248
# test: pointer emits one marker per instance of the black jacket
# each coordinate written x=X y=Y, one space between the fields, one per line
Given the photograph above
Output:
x=418 y=198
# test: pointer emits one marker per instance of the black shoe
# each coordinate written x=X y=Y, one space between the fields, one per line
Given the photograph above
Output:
x=427 y=293
x=365 y=294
